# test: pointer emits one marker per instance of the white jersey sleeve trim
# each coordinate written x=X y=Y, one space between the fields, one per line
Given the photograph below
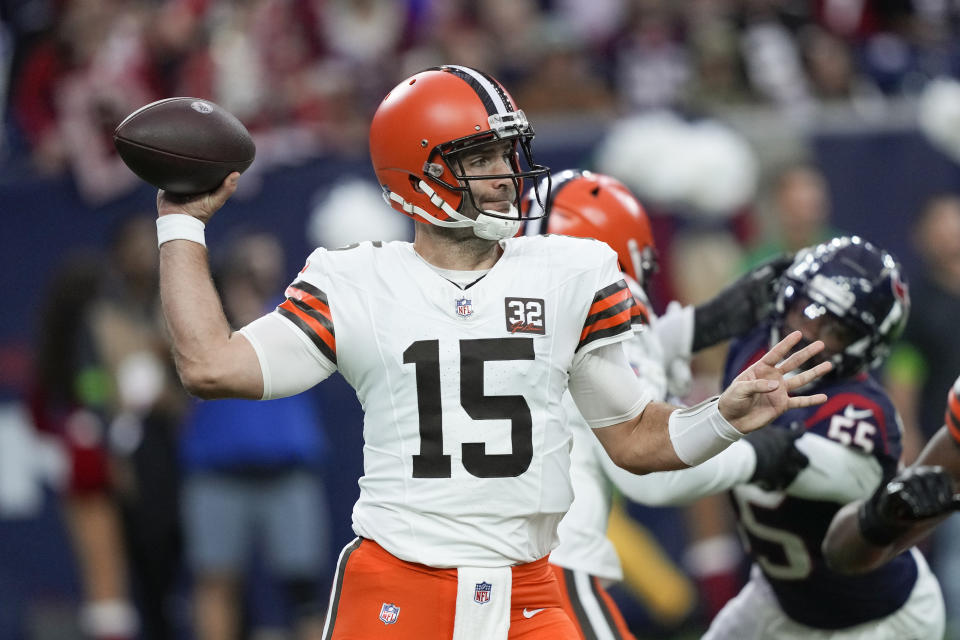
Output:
x=720 y=473
x=605 y=388
x=289 y=362
x=835 y=473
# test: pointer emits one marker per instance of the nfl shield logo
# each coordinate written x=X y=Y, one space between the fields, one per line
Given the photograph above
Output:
x=464 y=307
x=481 y=594
x=389 y=613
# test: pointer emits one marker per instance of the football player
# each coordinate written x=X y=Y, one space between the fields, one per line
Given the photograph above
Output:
x=866 y=534
x=851 y=295
x=459 y=346
x=592 y=205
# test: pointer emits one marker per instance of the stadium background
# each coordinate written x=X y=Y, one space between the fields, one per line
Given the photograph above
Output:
x=635 y=58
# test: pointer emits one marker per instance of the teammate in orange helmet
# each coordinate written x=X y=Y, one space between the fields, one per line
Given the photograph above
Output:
x=592 y=205
x=866 y=534
x=460 y=346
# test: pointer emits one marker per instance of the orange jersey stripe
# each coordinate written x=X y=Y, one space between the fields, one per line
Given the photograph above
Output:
x=620 y=318
x=952 y=419
x=639 y=309
x=309 y=300
x=318 y=328
x=609 y=301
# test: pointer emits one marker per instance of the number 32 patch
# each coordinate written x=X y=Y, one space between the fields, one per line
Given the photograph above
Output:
x=524 y=315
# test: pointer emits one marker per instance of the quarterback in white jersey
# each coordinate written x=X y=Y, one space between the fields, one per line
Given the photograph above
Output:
x=446 y=434
x=460 y=347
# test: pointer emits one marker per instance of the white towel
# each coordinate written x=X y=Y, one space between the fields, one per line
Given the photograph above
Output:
x=483 y=603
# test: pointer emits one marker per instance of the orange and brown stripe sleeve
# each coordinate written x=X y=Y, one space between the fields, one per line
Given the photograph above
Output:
x=611 y=313
x=307 y=307
x=952 y=417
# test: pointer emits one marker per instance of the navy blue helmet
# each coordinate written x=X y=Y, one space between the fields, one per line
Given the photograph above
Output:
x=857 y=282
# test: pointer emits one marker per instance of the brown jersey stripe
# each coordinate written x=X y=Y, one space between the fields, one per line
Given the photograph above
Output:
x=952 y=419
x=313 y=329
x=612 y=327
x=614 y=310
x=639 y=314
x=606 y=298
x=306 y=292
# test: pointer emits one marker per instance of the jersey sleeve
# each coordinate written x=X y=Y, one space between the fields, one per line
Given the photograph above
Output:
x=836 y=473
x=289 y=362
x=613 y=311
x=952 y=417
x=732 y=466
x=308 y=308
x=296 y=344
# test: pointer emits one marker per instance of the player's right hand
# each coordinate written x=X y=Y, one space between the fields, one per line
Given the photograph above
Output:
x=201 y=206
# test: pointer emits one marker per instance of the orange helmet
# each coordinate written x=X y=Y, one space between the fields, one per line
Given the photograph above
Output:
x=418 y=132
x=593 y=205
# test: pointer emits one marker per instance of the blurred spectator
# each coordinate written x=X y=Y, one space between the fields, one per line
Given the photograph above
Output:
x=652 y=65
x=245 y=484
x=563 y=81
x=68 y=401
x=920 y=366
x=834 y=77
x=76 y=86
x=801 y=204
x=144 y=407
x=719 y=79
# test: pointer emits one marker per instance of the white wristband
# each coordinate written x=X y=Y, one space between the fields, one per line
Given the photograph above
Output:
x=699 y=432
x=179 y=226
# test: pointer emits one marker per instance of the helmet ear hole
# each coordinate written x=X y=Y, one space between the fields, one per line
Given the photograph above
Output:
x=415 y=183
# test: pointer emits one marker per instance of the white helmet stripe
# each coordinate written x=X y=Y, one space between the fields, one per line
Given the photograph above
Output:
x=494 y=98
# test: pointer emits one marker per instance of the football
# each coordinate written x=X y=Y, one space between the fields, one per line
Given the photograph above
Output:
x=184 y=145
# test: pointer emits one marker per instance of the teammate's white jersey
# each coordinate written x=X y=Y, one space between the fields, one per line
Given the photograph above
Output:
x=466 y=455
x=584 y=545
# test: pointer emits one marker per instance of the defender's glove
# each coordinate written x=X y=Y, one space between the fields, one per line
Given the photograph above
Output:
x=778 y=459
x=740 y=305
x=916 y=493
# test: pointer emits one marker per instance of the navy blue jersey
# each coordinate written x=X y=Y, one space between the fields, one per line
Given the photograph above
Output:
x=784 y=532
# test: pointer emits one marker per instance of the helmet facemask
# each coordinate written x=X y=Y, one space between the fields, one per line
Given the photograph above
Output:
x=445 y=169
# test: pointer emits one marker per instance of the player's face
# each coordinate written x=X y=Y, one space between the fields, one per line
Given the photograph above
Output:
x=496 y=194
x=816 y=323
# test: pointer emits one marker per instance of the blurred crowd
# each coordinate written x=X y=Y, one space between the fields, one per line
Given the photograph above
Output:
x=305 y=75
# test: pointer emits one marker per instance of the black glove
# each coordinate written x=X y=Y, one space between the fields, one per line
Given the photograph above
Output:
x=740 y=305
x=917 y=493
x=778 y=459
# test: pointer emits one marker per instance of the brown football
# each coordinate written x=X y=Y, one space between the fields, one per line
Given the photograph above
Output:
x=184 y=145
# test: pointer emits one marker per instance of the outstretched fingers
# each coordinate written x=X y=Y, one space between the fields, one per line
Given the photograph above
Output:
x=798 y=402
x=808 y=376
x=801 y=356
x=782 y=349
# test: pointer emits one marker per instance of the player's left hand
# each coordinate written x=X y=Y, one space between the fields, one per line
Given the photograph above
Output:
x=762 y=392
x=778 y=460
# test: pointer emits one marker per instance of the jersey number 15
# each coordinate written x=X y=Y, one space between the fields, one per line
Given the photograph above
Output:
x=431 y=462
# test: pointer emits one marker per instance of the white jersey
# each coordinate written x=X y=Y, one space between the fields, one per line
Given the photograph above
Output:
x=466 y=455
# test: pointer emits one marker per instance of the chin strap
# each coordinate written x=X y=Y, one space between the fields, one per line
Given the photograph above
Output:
x=488 y=227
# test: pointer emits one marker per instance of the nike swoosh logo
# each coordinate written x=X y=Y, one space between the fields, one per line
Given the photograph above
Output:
x=529 y=613
x=852 y=414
